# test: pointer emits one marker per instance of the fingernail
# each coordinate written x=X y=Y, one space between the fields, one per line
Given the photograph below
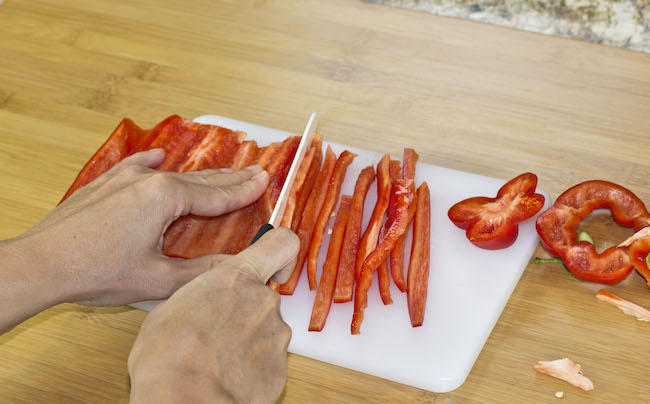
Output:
x=227 y=170
x=254 y=168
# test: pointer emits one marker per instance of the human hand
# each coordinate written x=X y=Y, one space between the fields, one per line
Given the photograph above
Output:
x=220 y=338
x=106 y=238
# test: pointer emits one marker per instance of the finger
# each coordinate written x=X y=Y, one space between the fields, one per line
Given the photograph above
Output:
x=183 y=270
x=150 y=158
x=285 y=272
x=210 y=200
x=219 y=177
x=274 y=251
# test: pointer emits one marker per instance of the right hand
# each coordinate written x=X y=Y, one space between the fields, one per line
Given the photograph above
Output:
x=219 y=338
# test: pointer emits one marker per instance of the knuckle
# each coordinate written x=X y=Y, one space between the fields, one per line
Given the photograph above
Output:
x=161 y=181
x=130 y=171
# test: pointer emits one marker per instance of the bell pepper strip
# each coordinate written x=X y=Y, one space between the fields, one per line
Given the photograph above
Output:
x=332 y=195
x=556 y=227
x=309 y=217
x=627 y=307
x=418 y=273
x=346 y=272
x=380 y=254
x=397 y=255
x=325 y=291
x=370 y=237
x=493 y=223
x=383 y=277
x=309 y=182
x=301 y=175
x=565 y=369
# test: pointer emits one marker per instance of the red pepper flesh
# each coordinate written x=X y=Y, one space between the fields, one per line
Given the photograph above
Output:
x=493 y=223
x=325 y=292
x=310 y=180
x=309 y=217
x=556 y=227
x=418 y=274
x=346 y=272
x=370 y=237
x=402 y=188
x=332 y=195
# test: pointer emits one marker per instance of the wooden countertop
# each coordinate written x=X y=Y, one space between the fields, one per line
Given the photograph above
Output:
x=467 y=96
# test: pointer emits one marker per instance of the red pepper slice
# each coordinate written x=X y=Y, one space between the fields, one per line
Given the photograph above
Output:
x=310 y=180
x=309 y=217
x=301 y=176
x=370 y=237
x=397 y=255
x=346 y=273
x=333 y=191
x=323 y=299
x=418 y=274
x=395 y=169
x=493 y=223
x=557 y=225
x=401 y=188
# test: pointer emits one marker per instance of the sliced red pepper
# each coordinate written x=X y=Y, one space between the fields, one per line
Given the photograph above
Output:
x=323 y=299
x=418 y=274
x=370 y=237
x=301 y=175
x=395 y=169
x=309 y=217
x=332 y=195
x=346 y=272
x=493 y=223
x=397 y=255
x=557 y=225
x=378 y=255
x=310 y=180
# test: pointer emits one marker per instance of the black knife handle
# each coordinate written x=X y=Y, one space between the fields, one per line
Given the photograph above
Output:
x=262 y=231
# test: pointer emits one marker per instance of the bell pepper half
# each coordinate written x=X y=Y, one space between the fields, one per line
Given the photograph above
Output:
x=557 y=225
x=493 y=223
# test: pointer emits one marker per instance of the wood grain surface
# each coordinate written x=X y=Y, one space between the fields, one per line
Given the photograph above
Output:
x=467 y=96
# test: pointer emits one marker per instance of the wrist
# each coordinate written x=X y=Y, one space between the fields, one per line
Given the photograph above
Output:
x=29 y=282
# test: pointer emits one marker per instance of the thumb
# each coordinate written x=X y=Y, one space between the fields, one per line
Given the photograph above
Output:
x=274 y=253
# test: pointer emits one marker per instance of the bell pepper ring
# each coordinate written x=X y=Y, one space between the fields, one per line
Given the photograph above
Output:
x=493 y=223
x=556 y=227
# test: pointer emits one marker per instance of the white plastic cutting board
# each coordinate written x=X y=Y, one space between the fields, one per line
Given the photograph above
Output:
x=468 y=287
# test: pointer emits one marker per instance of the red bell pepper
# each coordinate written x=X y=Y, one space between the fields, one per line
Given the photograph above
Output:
x=493 y=223
x=382 y=271
x=346 y=273
x=397 y=255
x=309 y=217
x=557 y=225
x=418 y=274
x=301 y=175
x=310 y=180
x=332 y=195
x=405 y=196
x=370 y=237
x=323 y=299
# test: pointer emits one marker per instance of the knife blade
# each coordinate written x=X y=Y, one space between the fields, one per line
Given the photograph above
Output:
x=281 y=204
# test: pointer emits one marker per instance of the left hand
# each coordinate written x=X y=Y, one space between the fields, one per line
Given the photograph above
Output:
x=103 y=244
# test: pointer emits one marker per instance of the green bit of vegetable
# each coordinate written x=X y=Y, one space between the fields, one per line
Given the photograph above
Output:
x=584 y=236
x=538 y=260
x=647 y=260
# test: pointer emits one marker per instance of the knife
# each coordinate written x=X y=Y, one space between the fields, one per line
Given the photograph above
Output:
x=281 y=204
